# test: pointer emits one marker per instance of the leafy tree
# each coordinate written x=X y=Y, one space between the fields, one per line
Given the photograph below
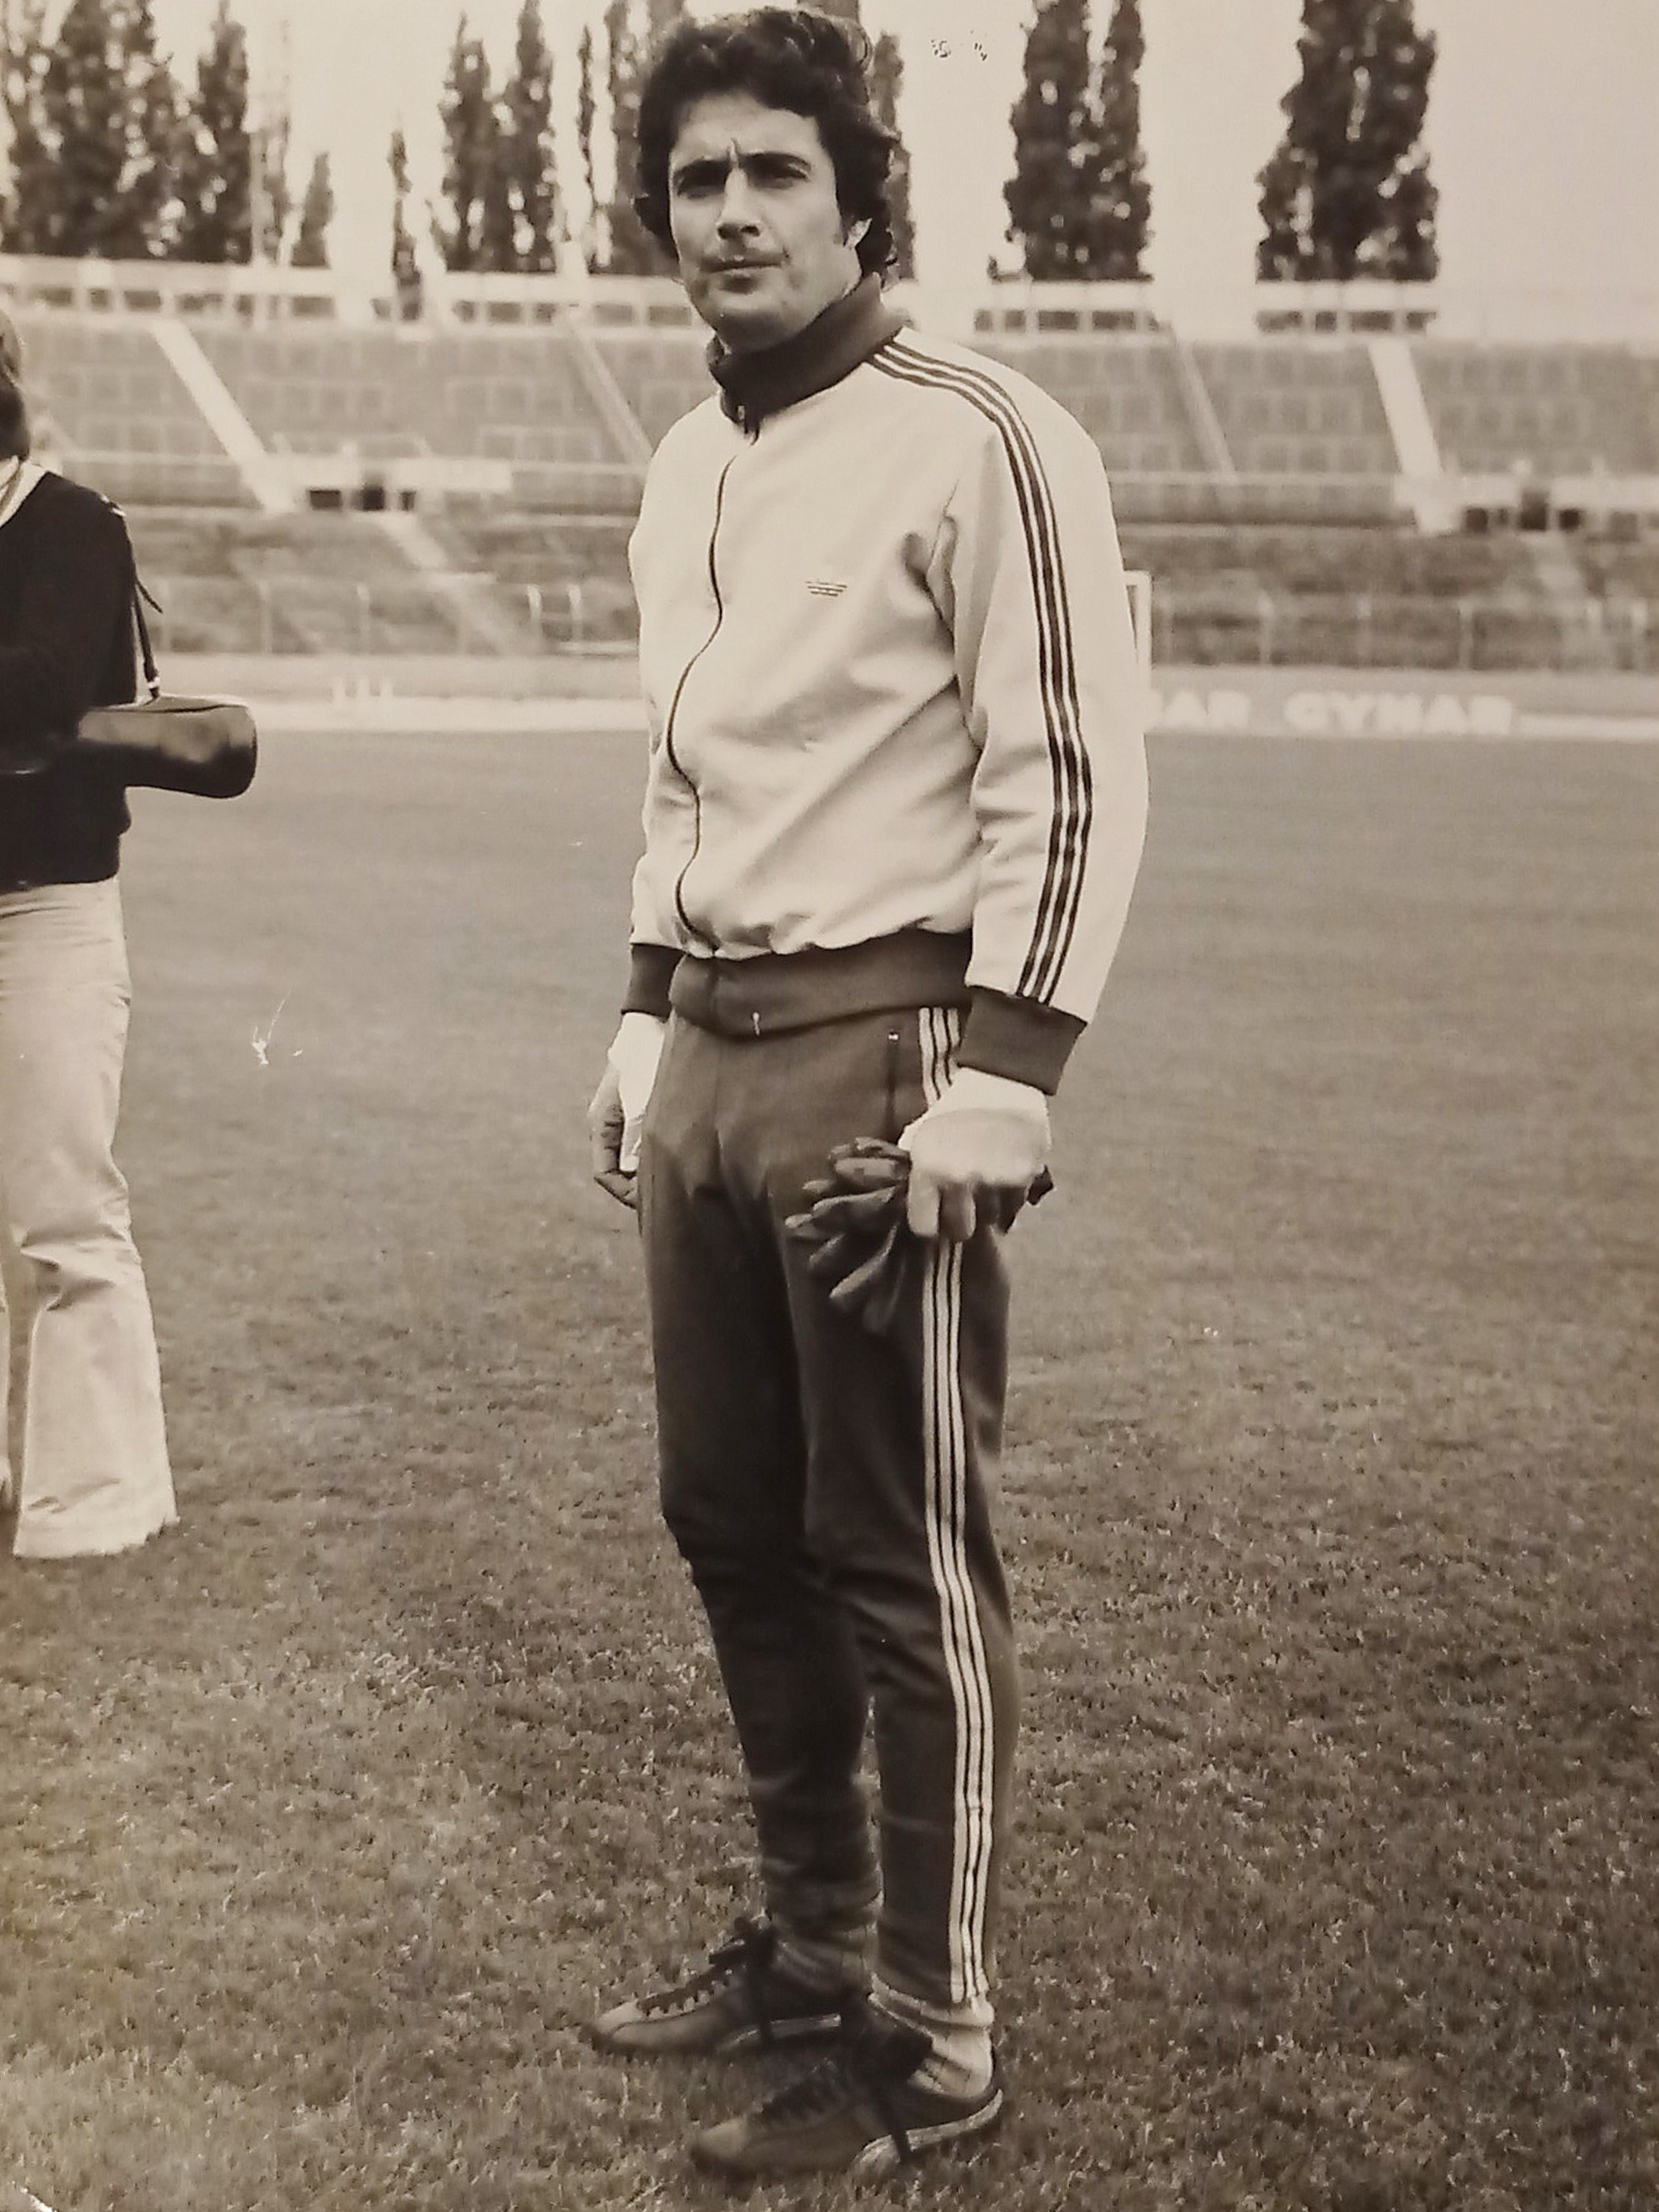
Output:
x=527 y=162
x=25 y=213
x=886 y=82
x=316 y=213
x=406 y=268
x=108 y=124
x=215 y=169
x=469 y=230
x=1121 y=202
x=1348 y=193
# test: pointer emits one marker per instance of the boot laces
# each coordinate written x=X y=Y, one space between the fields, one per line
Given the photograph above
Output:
x=747 y=1954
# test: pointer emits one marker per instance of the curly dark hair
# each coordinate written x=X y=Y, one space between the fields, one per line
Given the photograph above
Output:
x=790 y=57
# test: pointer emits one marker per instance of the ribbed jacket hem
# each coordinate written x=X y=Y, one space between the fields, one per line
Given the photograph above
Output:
x=774 y=991
x=1018 y=1038
x=650 y=972
x=95 y=868
x=1003 y=1036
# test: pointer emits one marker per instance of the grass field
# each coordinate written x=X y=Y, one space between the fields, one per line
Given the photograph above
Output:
x=1331 y=1500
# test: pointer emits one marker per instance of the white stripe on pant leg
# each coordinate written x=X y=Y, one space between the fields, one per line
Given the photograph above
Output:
x=958 y=1624
x=964 y=1648
x=945 y=1446
x=938 y=1427
x=974 y=1765
x=963 y=1644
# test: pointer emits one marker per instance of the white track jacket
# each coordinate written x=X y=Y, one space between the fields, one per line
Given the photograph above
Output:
x=893 y=697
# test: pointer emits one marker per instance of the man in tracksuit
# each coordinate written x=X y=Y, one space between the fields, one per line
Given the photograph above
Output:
x=895 y=808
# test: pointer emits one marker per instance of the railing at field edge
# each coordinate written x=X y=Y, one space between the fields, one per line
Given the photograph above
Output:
x=268 y=614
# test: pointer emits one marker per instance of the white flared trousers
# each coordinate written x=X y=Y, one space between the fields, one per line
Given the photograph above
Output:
x=93 y=1474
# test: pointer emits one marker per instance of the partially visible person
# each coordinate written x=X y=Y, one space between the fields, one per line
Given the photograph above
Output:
x=93 y=1474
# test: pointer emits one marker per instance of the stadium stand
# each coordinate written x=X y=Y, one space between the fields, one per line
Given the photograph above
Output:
x=1348 y=594
x=1126 y=392
x=1307 y=408
x=1177 y=424
x=231 y=580
x=113 y=396
x=662 y=375
x=1147 y=403
x=1541 y=410
x=568 y=572
x=519 y=397
x=1297 y=493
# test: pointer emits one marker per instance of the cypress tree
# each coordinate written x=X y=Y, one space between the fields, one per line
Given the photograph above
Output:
x=215 y=171
x=405 y=267
x=26 y=212
x=1347 y=193
x=82 y=108
x=1050 y=193
x=586 y=117
x=95 y=114
x=1121 y=203
x=99 y=203
x=146 y=224
x=625 y=249
x=630 y=39
x=316 y=213
x=275 y=204
x=526 y=155
x=468 y=228
x=886 y=83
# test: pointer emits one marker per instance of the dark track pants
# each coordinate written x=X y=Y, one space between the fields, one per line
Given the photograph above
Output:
x=827 y=1490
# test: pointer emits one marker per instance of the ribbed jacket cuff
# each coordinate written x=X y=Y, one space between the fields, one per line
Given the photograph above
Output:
x=1017 y=1038
x=650 y=971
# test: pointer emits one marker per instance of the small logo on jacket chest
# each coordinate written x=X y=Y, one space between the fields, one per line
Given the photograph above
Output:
x=823 y=587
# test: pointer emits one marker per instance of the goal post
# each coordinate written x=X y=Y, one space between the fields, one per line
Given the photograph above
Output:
x=1141 y=614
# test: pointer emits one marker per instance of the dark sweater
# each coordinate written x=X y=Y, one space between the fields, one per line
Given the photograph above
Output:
x=66 y=644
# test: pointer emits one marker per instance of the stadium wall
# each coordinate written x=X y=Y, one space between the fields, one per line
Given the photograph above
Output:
x=311 y=691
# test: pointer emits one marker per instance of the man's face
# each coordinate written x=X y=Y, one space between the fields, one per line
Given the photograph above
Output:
x=751 y=203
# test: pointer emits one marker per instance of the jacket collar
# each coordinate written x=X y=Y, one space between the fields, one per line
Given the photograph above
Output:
x=755 y=385
x=16 y=486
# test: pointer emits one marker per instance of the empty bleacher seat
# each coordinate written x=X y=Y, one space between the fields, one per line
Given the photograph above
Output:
x=1297 y=406
x=1558 y=409
x=661 y=376
x=125 y=423
x=1120 y=388
x=453 y=394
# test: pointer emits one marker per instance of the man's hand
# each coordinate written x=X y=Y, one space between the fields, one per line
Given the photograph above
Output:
x=617 y=1112
x=974 y=1154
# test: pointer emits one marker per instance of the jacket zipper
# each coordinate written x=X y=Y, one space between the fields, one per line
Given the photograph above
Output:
x=690 y=928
